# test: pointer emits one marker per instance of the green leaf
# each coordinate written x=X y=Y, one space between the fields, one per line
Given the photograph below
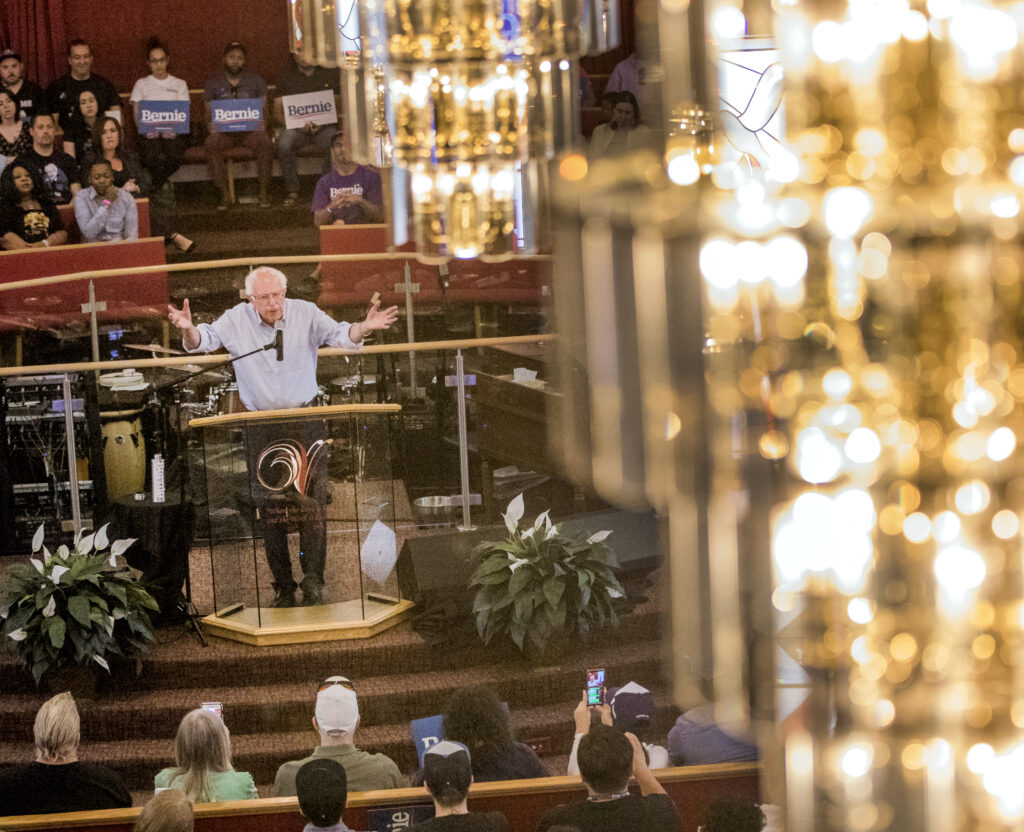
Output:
x=556 y=615
x=79 y=606
x=56 y=631
x=521 y=579
x=553 y=589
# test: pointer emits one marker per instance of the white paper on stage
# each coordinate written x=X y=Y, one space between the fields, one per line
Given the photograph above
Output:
x=379 y=552
x=308 y=108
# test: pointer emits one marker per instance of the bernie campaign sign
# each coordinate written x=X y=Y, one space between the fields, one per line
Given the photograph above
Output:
x=236 y=115
x=169 y=117
x=308 y=108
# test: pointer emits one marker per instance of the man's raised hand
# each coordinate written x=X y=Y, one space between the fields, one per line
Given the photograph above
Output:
x=181 y=318
x=378 y=318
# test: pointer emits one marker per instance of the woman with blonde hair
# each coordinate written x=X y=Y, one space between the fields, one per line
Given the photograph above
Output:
x=169 y=811
x=202 y=751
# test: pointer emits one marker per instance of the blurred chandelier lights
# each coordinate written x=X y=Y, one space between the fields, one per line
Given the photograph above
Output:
x=796 y=331
x=463 y=98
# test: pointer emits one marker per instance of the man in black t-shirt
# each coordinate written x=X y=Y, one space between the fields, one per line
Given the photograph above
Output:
x=29 y=95
x=62 y=94
x=56 y=781
x=607 y=757
x=57 y=168
x=303 y=77
x=448 y=774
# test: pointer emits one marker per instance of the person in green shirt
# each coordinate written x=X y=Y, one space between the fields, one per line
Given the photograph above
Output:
x=202 y=751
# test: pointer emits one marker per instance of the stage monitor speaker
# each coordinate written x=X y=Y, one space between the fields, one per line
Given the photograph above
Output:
x=434 y=570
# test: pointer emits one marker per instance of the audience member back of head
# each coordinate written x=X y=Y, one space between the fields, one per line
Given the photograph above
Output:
x=169 y=811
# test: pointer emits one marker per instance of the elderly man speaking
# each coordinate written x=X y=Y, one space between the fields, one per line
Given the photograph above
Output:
x=284 y=378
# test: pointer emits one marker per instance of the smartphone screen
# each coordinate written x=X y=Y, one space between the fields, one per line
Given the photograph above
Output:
x=214 y=708
x=595 y=686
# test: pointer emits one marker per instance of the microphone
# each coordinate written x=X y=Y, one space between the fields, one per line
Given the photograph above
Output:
x=279 y=340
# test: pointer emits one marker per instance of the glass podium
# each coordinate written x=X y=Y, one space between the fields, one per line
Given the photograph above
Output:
x=304 y=515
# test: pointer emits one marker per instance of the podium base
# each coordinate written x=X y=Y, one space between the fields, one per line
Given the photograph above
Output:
x=300 y=625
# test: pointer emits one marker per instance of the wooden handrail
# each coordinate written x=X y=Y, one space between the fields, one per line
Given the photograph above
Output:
x=372 y=799
x=235 y=262
x=218 y=358
x=292 y=413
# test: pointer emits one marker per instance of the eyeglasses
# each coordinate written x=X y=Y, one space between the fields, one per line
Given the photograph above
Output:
x=345 y=683
x=158 y=60
x=268 y=296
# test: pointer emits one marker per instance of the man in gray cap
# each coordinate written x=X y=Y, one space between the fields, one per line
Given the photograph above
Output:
x=448 y=774
x=28 y=94
x=335 y=719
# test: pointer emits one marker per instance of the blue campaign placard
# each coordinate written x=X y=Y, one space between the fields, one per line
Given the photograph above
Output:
x=236 y=115
x=164 y=117
x=395 y=818
x=426 y=731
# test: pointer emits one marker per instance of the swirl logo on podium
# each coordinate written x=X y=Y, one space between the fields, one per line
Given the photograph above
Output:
x=288 y=463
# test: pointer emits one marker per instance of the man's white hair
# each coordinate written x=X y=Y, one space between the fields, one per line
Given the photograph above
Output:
x=250 y=278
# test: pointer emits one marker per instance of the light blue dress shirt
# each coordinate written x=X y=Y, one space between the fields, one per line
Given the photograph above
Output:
x=101 y=223
x=264 y=383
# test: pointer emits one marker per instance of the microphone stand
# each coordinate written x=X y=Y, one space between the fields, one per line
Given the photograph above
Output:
x=163 y=428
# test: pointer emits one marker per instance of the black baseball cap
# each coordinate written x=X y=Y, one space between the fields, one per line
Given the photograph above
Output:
x=447 y=764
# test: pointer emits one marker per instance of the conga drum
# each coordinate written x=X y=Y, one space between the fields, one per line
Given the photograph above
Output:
x=124 y=452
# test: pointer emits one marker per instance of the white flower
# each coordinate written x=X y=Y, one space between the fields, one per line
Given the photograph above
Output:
x=38 y=564
x=63 y=551
x=50 y=608
x=85 y=544
x=18 y=635
x=100 y=541
x=543 y=519
x=37 y=539
x=102 y=662
x=516 y=563
x=528 y=534
x=552 y=532
x=514 y=513
x=614 y=593
x=597 y=537
x=120 y=545
x=118 y=615
x=57 y=572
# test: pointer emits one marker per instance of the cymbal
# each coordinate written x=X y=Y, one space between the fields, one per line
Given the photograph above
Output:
x=154 y=348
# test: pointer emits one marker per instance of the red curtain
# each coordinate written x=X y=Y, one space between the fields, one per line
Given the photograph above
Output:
x=35 y=28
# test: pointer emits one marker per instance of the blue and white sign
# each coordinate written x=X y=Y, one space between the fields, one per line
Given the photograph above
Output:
x=236 y=115
x=426 y=731
x=396 y=818
x=308 y=108
x=163 y=117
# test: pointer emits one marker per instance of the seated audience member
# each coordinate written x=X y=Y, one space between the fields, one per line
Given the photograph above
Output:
x=695 y=740
x=169 y=811
x=103 y=211
x=629 y=75
x=14 y=135
x=348 y=194
x=623 y=132
x=202 y=751
x=733 y=814
x=108 y=144
x=448 y=774
x=57 y=781
x=608 y=101
x=322 y=789
x=162 y=153
x=475 y=717
x=130 y=176
x=28 y=217
x=59 y=171
x=28 y=94
x=629 y=708
x=62 y=95
x=79 y=129
x=607 y=760
x=234 y=82
x=335 y=719
x=301 y=78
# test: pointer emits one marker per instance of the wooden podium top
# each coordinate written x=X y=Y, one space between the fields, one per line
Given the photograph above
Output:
x=292 y=413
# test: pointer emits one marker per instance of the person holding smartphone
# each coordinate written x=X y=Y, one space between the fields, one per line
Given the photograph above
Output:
x=623 y=132
x=628 y=708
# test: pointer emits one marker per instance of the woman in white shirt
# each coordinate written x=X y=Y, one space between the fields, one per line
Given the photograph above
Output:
x=162 y=153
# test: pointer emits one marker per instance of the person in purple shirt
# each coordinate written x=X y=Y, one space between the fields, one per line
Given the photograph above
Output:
x=234 y=83
x=349 y=194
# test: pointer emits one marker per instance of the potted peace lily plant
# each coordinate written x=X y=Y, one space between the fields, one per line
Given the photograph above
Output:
x=73 y=609
x=540 y=584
